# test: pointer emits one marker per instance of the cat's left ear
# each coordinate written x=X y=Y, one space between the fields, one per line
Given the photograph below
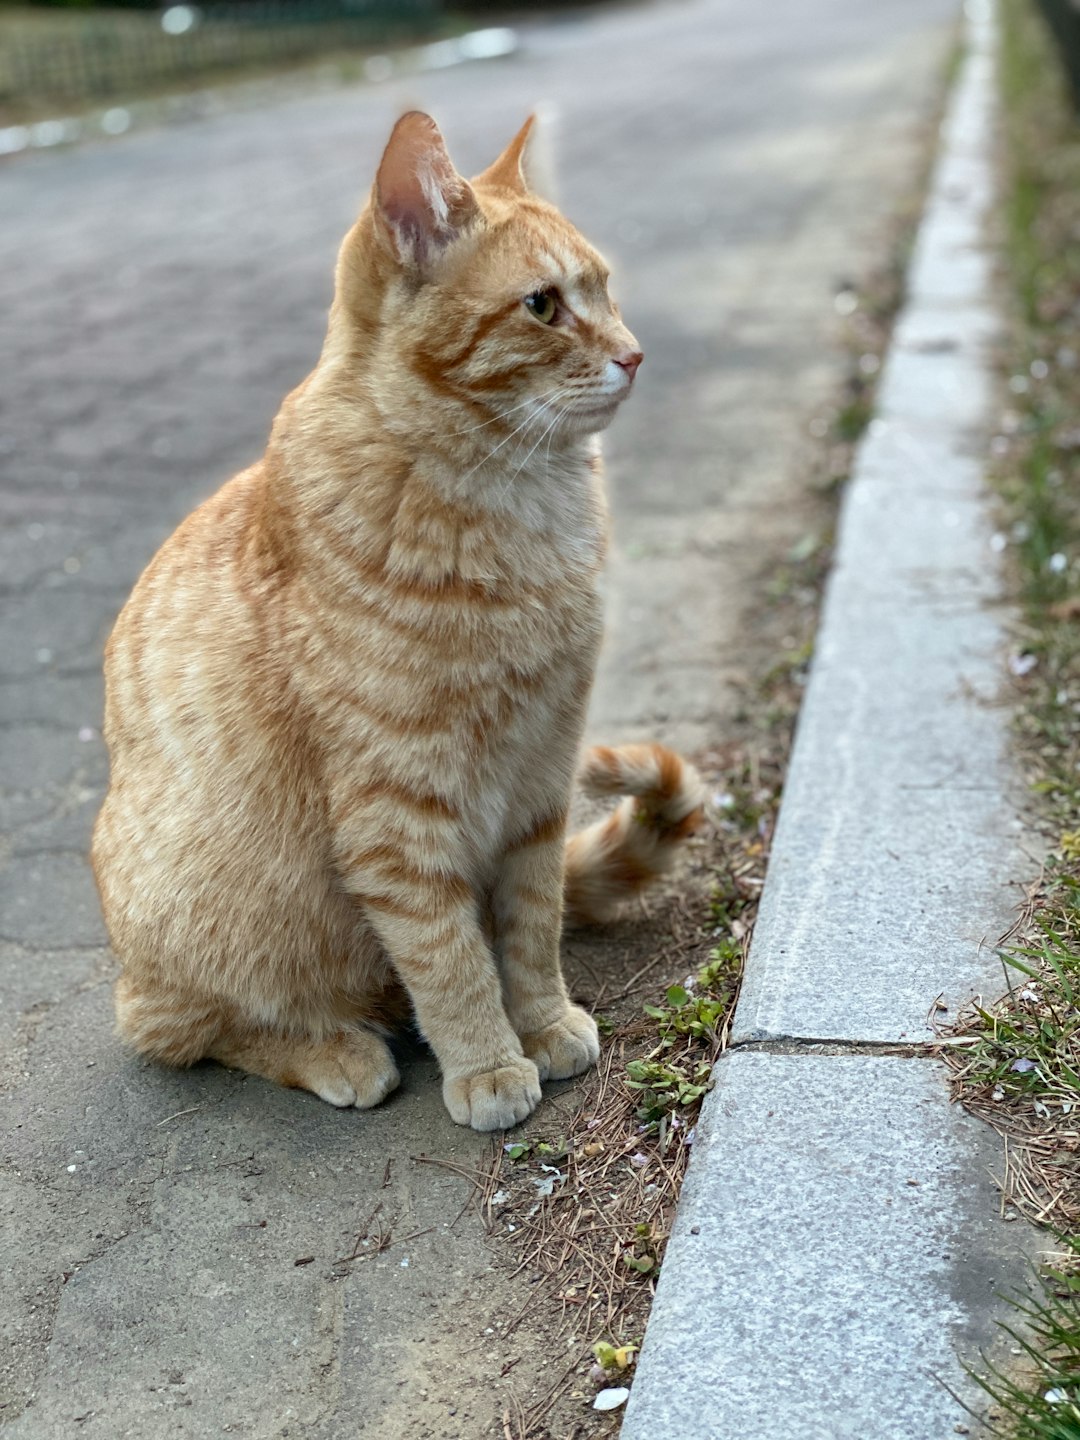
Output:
x=421 y=203
x=510 y=170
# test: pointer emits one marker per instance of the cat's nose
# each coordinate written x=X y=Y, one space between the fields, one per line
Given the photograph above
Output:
x=629 y=361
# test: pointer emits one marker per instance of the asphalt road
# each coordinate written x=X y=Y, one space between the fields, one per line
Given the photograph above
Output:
x=158 y=295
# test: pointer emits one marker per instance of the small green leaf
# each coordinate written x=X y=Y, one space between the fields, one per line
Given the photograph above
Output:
x=605 y=1355
x=641 y=1263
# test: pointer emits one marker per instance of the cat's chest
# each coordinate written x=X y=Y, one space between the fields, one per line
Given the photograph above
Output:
x=548 y=604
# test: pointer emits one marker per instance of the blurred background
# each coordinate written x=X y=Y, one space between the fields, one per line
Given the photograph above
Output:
x=61 y=55
x=74 y=53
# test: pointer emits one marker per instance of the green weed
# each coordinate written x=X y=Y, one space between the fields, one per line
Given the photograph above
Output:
x=1046 y=1406
x=677 y=1073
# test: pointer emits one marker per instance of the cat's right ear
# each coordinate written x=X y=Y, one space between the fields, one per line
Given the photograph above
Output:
x=421 y=203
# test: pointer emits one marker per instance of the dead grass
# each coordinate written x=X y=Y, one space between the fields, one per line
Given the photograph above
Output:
x=1016 y=1060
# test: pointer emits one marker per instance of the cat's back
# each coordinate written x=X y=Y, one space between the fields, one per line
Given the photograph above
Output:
x=193 y=690
x=209 y=764
x=191 y=605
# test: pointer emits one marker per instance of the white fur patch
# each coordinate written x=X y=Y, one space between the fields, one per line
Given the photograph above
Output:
x=431 y=185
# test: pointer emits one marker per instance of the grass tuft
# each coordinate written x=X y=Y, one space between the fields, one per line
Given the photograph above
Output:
x=1045 y=1405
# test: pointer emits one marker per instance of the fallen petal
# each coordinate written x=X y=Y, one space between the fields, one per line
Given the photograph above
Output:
x=611 y=1399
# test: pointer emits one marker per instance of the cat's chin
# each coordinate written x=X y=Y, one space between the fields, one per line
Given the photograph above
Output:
x=588 y=419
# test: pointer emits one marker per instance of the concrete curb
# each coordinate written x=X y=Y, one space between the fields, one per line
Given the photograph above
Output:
x=836 y=1244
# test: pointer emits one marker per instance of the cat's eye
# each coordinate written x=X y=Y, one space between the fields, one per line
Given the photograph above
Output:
x=544 y=304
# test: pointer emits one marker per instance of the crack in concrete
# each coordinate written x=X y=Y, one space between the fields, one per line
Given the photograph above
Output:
x=825 y=1045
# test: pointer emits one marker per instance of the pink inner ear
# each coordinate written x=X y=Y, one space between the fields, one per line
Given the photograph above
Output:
x=423 y=198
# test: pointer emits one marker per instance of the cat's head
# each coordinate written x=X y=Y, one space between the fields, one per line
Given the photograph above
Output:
x=480 y=299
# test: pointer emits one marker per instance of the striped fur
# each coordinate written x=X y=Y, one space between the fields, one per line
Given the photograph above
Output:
x=640 y=840
x=345 y=699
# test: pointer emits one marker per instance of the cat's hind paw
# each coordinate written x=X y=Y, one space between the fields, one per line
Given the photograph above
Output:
x=566 y=1048
x=356 y=1068
x=494 y=1099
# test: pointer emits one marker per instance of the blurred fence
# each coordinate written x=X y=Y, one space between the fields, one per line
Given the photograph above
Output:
x=113 y=55
x=1064 y=19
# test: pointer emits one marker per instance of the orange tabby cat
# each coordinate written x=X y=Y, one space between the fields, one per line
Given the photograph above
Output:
x=346 y=697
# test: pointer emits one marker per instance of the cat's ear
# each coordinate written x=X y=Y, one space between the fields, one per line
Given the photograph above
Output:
x=421 y=203
x=511 y=169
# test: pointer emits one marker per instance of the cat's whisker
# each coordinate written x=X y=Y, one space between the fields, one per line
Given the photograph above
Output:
x=505 y=414
x=551 y=436
x=540 y=406
x=506 y=440
x=549 y=431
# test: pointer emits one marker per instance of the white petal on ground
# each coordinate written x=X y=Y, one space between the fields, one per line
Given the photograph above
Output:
x=611 y=1399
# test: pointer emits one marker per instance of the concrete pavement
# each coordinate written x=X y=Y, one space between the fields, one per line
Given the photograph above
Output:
x=158 y=295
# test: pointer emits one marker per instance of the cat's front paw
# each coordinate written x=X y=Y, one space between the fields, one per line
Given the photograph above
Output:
x=494 y=1099
x=566 y=1048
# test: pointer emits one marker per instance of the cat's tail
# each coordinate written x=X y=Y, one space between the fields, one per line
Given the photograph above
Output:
x=613 y=860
